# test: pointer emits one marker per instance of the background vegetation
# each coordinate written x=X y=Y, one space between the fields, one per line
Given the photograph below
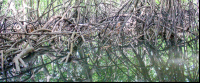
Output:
x=99 y=40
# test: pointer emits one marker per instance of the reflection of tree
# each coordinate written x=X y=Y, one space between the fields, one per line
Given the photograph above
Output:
x=101 y=41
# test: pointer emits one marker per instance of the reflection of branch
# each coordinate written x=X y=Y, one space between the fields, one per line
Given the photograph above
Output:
x=108 y=54
x=142 y=64
x=71 y=49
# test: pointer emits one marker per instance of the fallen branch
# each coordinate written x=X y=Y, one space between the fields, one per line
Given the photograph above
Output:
x=20 y=56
